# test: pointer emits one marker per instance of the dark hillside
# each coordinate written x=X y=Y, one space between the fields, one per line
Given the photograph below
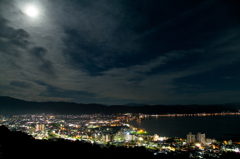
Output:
x=10 y=106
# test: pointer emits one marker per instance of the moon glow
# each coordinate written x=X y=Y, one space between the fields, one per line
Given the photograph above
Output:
x=31 y=11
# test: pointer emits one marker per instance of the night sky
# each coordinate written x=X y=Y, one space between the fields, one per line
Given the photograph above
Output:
x=120 y=51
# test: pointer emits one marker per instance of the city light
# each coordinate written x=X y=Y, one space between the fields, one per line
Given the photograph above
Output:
x=198 y=145
x=125 y=135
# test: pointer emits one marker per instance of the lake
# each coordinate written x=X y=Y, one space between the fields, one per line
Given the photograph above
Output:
x=218 y=127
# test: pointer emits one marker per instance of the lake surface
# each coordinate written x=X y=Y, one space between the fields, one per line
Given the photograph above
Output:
x=213 y=126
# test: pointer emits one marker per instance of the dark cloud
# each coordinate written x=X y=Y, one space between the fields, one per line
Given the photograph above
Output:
x=21 y=84
x=38 y=52
x=44 y=65
x=11 y=38
x=11 y=33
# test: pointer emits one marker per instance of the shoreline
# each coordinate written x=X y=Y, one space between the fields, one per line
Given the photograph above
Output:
x=235 y=140
x=194 y=115
x=234 y=137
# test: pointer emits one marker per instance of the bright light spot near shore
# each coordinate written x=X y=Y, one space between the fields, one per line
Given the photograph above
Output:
x=198 y=145
x=31 y=11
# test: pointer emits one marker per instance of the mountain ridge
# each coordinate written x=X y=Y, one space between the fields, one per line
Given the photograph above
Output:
x=9 y=105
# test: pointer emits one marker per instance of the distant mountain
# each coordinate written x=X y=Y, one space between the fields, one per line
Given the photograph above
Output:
x=135 y=104
x=12 y=106
x=233 y=103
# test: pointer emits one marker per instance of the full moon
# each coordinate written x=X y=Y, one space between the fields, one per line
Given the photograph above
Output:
x=31 y=11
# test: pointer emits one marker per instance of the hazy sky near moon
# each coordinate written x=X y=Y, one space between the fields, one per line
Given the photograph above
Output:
x=31 y=11
x=118 y=52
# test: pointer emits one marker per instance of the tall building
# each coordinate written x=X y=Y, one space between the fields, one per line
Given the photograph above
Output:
x=129 y=137
x=122 y=135
x=190 y=138
x=39 y=127
x=108 y=138
x=201 y=138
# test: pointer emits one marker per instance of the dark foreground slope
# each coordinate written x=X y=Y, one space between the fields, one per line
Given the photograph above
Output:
x=20 y=145
x=10 y=106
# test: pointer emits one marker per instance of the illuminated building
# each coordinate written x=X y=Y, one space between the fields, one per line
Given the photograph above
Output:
x=116 y=137
x=107 y=138
x=103 y=138
x=198 y=144
x=190 y=138
x=97 y=137
x=214 y=140
x=129 y=137
x=201 y=138
x=208 y=141
x=140 y=139
x=230 y=142
x=39 y=127
x=85 y=136
x=155 y=137
x=122 y=135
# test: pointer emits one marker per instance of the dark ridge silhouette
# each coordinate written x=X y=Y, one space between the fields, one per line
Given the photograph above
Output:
x=20 y=145
x=135 y=104
x=11 y=106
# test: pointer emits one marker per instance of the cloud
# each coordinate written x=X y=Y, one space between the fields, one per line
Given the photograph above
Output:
x=44 y=65
x=21 y=84
x=114 y=51
x=12 y=39
x=21 y=62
